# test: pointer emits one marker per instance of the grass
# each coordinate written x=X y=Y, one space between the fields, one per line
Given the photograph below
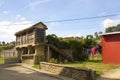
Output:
x=1 y=60
x=95 y=64
x=37 y=66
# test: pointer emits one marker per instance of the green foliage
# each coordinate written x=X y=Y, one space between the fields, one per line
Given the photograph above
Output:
x=97 y=36
x=58 y=42
x=113 y=28
x=5 y=47
x=64 y=44
x=37 y=66
x=95 y=64
x=53 y=39
x=3 y=43
x=1 y=60
x=89 y=42
x=53 y=60
x=1 y=48
x=74 y=44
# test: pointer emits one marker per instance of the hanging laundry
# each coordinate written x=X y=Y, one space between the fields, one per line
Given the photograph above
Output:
x=88 y=51
x=93 y=50
x=98 y=48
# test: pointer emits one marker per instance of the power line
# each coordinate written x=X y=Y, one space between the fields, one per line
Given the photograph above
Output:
x=66 y=20
x=16 y=24
x=84 y=18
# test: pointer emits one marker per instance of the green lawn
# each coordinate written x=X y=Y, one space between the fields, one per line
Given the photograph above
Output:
x=1 y=60
x=96 y=65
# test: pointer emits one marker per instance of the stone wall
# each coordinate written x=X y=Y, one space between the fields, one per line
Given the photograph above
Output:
x=72 y=72
x=39 y=54
x=28 y=59
x=11 y=60
x=9 y=53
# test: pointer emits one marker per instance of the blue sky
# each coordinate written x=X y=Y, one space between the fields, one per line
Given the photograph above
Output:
x=33 y=11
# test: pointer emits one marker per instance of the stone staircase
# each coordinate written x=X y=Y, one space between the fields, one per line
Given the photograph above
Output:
x=68 y=57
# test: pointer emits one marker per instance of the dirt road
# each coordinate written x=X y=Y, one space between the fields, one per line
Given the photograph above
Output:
x=111 y=75
x=18 y=72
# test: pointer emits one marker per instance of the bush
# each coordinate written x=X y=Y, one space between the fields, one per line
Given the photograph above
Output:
x=53 y=60
x=76 y=45
x=5 y=47
x=37 y=66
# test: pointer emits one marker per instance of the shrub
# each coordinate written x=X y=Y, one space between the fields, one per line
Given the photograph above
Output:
x=53 y=60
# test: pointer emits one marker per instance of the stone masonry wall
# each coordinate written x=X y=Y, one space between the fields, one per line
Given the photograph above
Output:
x=9 y=53
x=11 y=60
x=72 y=72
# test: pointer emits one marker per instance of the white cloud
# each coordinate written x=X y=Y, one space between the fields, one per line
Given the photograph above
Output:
x=110 y=22
x=52 y=27
x=53 y=24
x=22 y=18
x=17 y=16
x=102 y=14
x=4 y=24
x=8 y=29
x=118 y=16
x=32 y=5
x=38 y=2
x=5 y=12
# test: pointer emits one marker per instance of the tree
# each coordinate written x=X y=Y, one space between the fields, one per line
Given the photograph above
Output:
x=3 y=43
x=118 y=27
x=89 y=36
x=113 y=28
x=73 y=44
x=89 y=41
x=0 y=43
x=96 y=35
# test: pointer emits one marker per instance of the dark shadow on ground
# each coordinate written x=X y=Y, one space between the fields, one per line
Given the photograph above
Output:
x=10 y=72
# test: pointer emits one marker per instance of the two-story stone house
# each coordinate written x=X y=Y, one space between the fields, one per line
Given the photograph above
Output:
x=30 y=43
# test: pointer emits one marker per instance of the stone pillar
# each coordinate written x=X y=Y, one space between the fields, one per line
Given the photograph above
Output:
x=19 y=52
x=28 y=50
x=39 y=54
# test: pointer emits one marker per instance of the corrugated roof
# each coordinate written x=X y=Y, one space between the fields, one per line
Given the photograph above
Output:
x=110 y=33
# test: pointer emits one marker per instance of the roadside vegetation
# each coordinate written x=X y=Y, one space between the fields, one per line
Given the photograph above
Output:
x=37 y=66
x=1 y=60
x=80 y=60
x=77 y=44
x=73 y=43
x=5 y=46
x=95 y=64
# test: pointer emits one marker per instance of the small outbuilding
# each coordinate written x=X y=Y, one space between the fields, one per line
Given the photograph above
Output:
x=111 y=48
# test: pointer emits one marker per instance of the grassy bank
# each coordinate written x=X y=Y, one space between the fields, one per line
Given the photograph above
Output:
x=96 y=65
x=37 y=66
x=1 y=60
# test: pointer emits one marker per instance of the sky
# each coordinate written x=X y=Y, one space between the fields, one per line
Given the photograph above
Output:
x=16 y=15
